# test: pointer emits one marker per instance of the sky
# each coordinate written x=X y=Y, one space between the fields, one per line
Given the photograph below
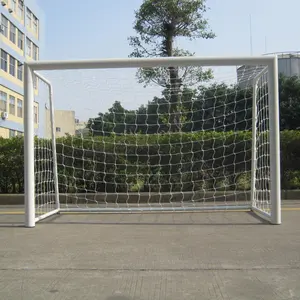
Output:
x=98 y=29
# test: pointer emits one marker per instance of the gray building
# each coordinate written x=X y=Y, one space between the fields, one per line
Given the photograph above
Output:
x=288 y=65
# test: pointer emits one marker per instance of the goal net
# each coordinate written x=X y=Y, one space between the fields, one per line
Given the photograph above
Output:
x=153 y=135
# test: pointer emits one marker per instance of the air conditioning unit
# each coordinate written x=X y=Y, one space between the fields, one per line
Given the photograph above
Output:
x=3 y=3
x=4 y=115
x=2 y=28
x=10 y=10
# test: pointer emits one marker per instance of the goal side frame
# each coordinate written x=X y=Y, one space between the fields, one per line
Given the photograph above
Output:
x=31 y=68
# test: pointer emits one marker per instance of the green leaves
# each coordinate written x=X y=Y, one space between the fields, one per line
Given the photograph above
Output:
x=11 y=165
x=183 y=18
x=140 y=163
x=158 y=23
x=289 y=95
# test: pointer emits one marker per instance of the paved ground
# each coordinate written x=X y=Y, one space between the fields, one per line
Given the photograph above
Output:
x=223 y=255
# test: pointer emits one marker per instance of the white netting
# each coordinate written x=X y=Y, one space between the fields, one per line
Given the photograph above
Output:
x=44 y=159
x=155 y=148
x=262 y=153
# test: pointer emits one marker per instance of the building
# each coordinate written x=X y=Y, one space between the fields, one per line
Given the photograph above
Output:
x=288 y=65
x=20 y=40
x=81 y=128
x=64 y=123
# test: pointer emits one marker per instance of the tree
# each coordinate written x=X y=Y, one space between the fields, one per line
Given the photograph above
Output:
x=11 y=165
x=158 y=23
x=289 y=97
x=117 y=120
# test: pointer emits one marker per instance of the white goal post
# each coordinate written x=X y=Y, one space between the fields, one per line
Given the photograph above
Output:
x=197 y=170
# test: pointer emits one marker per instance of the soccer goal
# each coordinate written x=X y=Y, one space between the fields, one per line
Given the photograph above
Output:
x=152 y=135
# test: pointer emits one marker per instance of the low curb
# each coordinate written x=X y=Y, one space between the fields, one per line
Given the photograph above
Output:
x=18 y=199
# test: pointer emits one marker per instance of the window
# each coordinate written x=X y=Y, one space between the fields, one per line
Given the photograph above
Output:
x=20 y=71
x=35 y=24
x=12 y=66
x=20 y=108
x=12 y=105
x=21 y=9
x=58 y=129
x=4 y=57
x=35 y=109
x=3 y=101
x=31 y=20
x=28 y=18
x=20 y=40
x=13 y=31
x=13 y=5
x=35 y=80
x=12 y=133
x=4 y=27
x=35 y=51
x=28 y=47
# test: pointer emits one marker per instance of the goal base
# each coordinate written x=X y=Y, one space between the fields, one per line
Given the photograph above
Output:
x=46 y=215
x=155 y=209
x=264 y=215
x=179 y=209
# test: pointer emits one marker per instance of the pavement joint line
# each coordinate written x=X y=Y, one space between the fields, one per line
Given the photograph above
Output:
x=234 y=268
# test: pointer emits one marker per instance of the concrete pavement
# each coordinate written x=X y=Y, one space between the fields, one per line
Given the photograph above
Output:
x=220 y=255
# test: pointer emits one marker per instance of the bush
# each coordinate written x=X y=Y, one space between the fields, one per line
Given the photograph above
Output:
x=177 y=162
x=11 y=165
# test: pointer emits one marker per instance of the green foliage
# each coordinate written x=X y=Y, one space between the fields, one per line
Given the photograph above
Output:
x=183 y=17
x=148 y=163
x=289 y=95
x=292 y=179
x=158 y=23
x=216 y=105
x=11 y=165
x=156 y=163
x=138 y=186
x=244 y=181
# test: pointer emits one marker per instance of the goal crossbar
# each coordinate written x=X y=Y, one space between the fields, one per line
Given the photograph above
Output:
x=151 y=62
x=270 y=63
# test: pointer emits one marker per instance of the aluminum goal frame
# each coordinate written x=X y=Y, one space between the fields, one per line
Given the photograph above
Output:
x=270 y=62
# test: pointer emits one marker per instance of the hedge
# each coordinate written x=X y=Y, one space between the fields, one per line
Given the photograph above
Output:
x=146 y=163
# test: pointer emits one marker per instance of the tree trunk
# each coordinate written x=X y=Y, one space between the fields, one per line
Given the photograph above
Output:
x=174 y=80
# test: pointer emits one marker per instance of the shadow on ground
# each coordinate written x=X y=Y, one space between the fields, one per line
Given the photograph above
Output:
x=151 y=256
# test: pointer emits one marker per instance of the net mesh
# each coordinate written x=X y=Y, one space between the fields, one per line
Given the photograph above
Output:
x=261 y=189
x=124 y=146
x=44 y=158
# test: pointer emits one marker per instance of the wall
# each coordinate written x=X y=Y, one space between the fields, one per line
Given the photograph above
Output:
x=64 y=123
x=11 y=84
x=288 y=65
x=81 y=128
x=13 y=122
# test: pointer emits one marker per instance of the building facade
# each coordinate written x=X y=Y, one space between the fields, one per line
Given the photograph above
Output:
x=20 y=41
x=81 y=128
x=65 y=123
x=288 y=65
